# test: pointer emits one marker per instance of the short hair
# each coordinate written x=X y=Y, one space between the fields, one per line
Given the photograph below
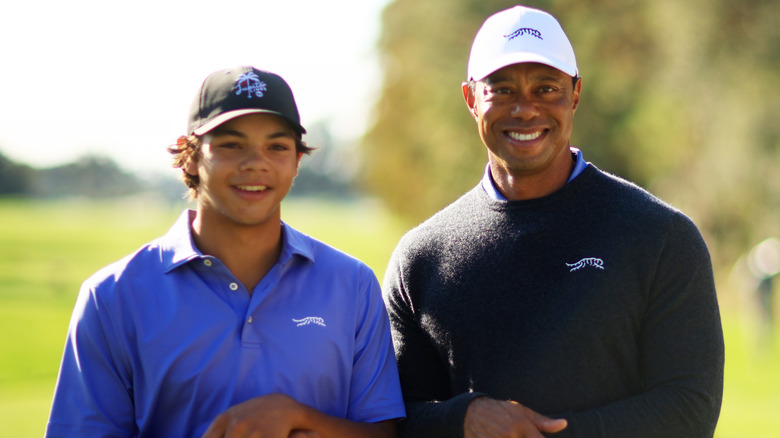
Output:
x=188 y=148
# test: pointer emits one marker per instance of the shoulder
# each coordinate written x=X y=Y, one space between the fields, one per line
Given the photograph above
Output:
x=448 y=222
x=619 y=193
x=317 y=250
x=641 y=211
x=324 y=259
x=143 y=266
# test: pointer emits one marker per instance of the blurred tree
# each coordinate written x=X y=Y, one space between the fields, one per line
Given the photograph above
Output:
x=329 y=170
x=15 y=179
x=677 y=96
x=91 y=176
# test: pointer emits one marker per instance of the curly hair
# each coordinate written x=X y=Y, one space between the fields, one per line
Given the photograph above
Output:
x=188 y=148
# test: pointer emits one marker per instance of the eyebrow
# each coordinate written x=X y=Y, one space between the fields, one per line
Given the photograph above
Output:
x=491 y=80
x=221 y=131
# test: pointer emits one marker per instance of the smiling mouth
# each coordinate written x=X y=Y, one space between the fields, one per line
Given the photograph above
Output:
x=252 y=188
x=524 y=137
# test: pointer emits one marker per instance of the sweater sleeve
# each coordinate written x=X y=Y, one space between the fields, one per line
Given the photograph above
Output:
x=431 y=411
x=682 y=352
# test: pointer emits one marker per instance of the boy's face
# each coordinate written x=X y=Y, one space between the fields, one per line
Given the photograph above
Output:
x=246 y=167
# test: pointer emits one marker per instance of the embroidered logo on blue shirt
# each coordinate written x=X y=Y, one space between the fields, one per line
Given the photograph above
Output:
x=309 y=320
x=590 y=261
x=250 y=83
x=524 y=31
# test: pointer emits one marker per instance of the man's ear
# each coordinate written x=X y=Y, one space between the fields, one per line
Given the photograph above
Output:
x=468 y=96
x=576 y=96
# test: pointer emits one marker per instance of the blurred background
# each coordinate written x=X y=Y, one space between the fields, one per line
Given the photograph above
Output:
x=679 y=97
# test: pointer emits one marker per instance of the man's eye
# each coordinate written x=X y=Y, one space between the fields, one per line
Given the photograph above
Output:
x=229 y=145
x=279 y=147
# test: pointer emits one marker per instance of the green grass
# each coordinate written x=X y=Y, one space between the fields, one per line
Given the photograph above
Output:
x=48 y=248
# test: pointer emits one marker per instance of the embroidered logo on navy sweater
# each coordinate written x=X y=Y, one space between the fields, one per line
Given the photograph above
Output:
x=310 y=320
x=590 y=261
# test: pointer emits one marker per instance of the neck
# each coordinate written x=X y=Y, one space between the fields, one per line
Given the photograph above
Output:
x=519 y=185
x=248 y=251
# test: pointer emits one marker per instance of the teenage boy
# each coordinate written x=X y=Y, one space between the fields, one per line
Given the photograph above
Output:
x=233 y=323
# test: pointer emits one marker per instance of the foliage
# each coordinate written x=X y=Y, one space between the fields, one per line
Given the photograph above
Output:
x=15 y=179
x=92 y=176
x=328 y=171
x=677 y=96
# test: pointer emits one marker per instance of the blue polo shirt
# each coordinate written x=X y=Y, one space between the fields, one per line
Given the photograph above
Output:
x=489 y=185
x=164 y=340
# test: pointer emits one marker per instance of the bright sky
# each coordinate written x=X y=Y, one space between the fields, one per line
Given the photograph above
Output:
x=118 y=78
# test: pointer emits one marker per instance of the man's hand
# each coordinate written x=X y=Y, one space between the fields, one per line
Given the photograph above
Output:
x=490 y=418
x=269 y=416
x=304 y=434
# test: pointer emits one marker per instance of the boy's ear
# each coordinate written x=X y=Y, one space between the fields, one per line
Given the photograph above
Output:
x=191 y=166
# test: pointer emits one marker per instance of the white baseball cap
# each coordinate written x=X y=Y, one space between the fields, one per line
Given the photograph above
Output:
x=520 y=34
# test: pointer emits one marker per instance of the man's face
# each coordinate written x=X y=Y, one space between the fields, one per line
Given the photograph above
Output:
x=246 y=167
x=524 y=114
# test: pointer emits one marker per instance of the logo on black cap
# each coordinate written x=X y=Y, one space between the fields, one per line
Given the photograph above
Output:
x=250 y=83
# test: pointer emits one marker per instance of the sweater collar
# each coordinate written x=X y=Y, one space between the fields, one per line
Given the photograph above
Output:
x=489 y=184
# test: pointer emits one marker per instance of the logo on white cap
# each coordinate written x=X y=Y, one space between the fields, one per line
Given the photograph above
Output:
x=250 y=83
x=524 y=31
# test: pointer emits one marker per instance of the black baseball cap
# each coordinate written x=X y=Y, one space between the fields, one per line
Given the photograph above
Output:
x=234 y=92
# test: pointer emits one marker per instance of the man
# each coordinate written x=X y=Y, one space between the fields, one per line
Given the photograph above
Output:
x=232 y=324
x=552 y=298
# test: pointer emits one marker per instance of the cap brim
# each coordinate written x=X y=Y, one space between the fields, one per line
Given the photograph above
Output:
x=230 y=115
x=518 y=58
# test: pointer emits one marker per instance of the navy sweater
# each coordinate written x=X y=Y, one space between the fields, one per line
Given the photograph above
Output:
x=595 y=304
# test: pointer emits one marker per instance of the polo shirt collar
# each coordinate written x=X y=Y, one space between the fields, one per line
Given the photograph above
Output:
x=177 y=246
x=295 y=243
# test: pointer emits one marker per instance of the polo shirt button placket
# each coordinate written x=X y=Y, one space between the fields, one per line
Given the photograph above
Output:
x=233 y=286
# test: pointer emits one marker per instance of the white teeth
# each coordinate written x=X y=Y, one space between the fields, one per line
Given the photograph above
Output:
x=524 y=137
x=252 y=188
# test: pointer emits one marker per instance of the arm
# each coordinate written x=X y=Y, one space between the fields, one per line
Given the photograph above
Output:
x=279 y=416
x=431 y=410
x=488 y=418
x=93 y=392
x=681 y=352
